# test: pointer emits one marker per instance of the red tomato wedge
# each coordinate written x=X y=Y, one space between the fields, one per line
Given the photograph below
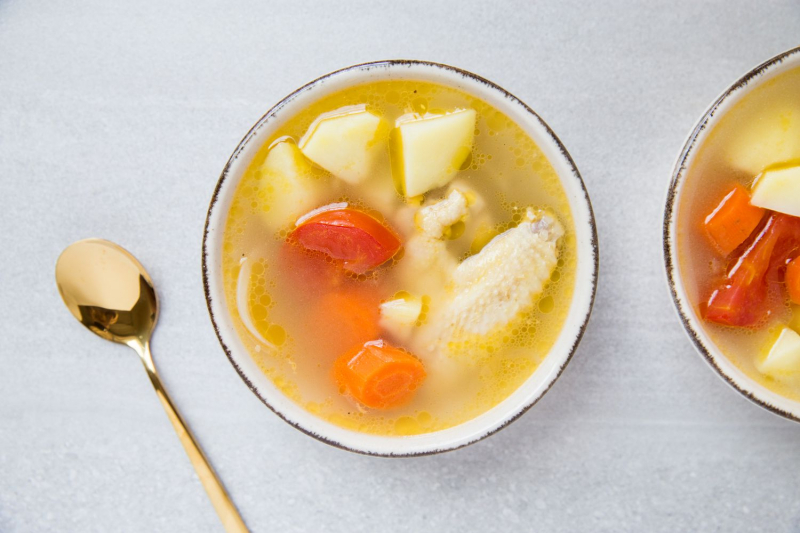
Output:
x=360 y=241
x=742 y=299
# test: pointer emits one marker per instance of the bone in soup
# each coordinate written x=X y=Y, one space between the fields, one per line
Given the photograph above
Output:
x=399 y=257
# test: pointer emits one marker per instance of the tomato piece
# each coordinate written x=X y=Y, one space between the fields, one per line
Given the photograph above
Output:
x=357 y=239
x=742 y=299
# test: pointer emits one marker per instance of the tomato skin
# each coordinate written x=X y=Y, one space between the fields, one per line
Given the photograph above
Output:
x=742 y=298
x=360 y=241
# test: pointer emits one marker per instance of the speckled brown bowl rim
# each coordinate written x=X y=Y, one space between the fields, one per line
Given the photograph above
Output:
x=466 y=74
x=673 y=276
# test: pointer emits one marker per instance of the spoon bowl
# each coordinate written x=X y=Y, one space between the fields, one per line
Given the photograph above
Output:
x=107 y=290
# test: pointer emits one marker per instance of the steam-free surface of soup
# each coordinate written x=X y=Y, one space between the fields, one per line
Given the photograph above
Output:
x=299 y=311
x=759 y=133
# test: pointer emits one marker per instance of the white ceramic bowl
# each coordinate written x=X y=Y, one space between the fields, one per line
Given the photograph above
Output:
x=544 y=376
x=691 y=321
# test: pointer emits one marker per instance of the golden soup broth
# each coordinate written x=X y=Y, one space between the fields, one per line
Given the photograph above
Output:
x=761 y=130
x=506 y=168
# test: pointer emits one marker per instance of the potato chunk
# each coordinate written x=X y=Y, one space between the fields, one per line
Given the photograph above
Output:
x=347 y=143
x=783 y=359
x=773 y=138
x=778 y=189
x=399 y=315
x=288 y=185
x=432 y=148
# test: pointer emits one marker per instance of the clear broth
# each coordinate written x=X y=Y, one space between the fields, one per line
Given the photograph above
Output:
x=506 y=168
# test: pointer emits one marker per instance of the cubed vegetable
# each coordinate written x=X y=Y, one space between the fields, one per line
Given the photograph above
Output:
x=431 y=149
x=378 y=375
x=733 y=220
x=792 y=280
x=783 y=359
x=347 y=144
x=771 y=137
x=400 y=314
x=287 y=186
x=779 y=190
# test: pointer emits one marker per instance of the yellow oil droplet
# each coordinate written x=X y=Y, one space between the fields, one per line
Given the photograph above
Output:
x=276 y=335
x=405 y=425
x=555 y=276
x=546 y=304
x=419 y=105
x=425 y=419
x=258 y=312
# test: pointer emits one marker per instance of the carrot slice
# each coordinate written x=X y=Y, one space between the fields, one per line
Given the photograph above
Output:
x=379 y=375
x=793 y=280
x=733 y=220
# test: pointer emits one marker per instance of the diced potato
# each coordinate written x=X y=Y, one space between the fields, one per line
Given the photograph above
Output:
x=398 y=316
x=431 y=149
x=783 y=359
x=347 y=144
x=778 y=189
x=288 y=185
x=773 y=138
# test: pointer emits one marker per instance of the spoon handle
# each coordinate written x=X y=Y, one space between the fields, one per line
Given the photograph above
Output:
x=225 y=508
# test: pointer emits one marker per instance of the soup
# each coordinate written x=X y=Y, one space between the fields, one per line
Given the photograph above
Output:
x=739 y=234
x=399 y=257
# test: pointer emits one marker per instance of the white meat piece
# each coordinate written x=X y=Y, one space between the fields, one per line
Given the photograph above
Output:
x=493 y=287
x=426 y=251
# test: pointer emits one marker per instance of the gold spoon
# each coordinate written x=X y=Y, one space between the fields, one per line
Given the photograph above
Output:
x=110 y=293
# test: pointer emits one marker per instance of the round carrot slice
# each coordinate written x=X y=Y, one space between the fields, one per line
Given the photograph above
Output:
x=379 y=375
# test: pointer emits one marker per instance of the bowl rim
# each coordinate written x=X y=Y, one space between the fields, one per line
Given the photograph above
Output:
x=711 y=354
x=581 y=199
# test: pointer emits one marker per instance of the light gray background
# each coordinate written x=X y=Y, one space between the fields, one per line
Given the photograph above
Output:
x=115 y=121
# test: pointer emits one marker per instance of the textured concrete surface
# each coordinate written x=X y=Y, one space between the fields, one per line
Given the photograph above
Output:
x=115 y=121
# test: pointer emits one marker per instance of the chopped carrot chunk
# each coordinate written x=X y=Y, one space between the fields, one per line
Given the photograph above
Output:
x=344 y=318
x=793 y=280
x=379 y=375
x=733 y=220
